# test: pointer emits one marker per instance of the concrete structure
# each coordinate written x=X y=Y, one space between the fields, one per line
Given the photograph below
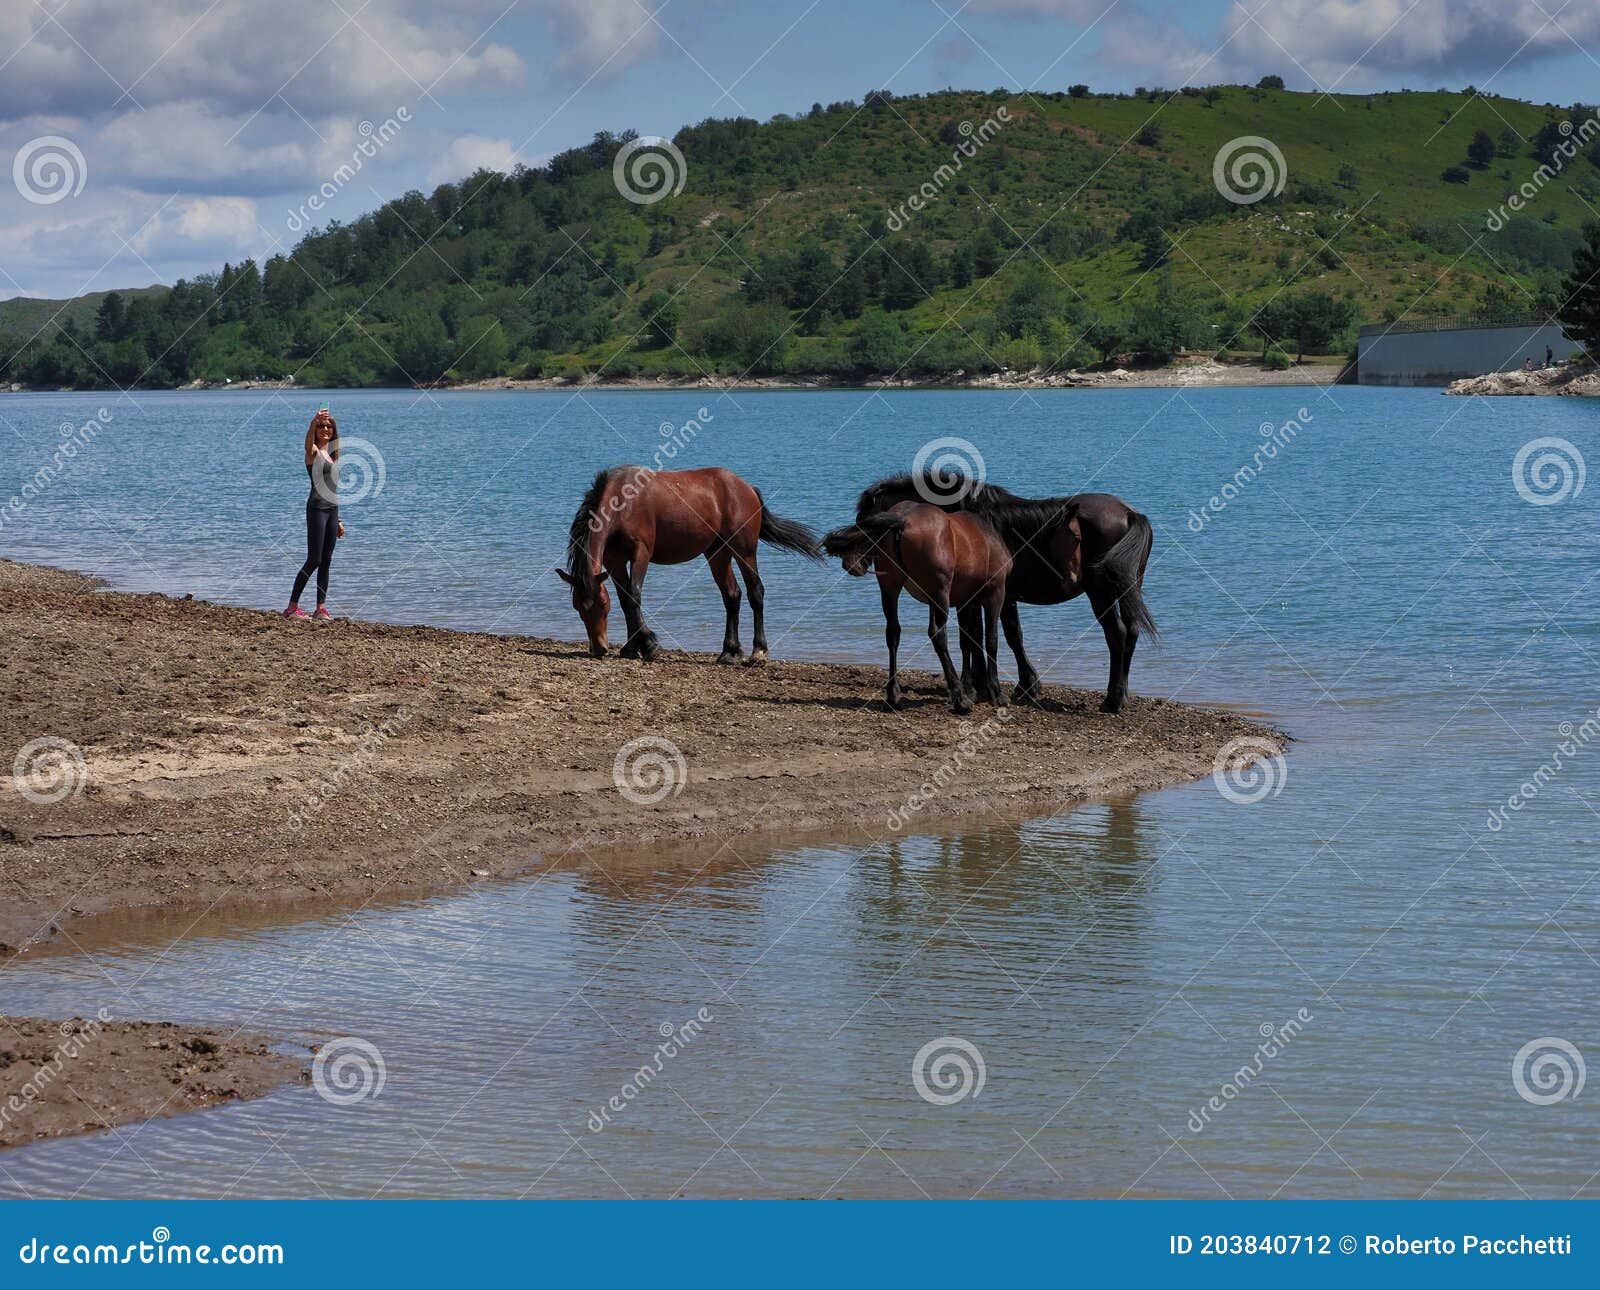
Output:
x=1436 y=351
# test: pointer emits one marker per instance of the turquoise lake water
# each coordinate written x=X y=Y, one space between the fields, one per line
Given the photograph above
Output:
x=1382 y=588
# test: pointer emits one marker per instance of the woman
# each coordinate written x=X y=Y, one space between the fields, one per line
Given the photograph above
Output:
x=323 y=526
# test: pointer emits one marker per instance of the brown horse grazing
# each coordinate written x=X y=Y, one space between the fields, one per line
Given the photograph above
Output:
x=942 y=560
x=1062 y=547
x=632 y=515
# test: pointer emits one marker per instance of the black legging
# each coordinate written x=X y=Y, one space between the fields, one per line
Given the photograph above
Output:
x=322 y=532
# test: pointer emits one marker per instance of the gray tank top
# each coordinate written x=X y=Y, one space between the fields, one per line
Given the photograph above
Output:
x=324 y=484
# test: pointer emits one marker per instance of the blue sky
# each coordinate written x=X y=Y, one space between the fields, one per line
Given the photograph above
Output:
x=156 y=138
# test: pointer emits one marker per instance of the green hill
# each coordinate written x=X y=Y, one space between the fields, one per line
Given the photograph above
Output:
x=29 y=315
x=1055 y=229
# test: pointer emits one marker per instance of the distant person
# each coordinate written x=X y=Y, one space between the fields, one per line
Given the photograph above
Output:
x=1527 y=363
x=1549 y=357
x=323 y=526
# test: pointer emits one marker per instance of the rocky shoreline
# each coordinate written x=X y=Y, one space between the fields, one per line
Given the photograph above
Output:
x=1184 y=374
x=1571 y=381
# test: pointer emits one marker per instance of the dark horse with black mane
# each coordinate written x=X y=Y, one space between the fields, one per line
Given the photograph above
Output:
x=1061 y=547
x=632 y=516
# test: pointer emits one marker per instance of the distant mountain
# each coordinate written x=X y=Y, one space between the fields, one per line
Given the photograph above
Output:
x=916 y=235
x=27 y=315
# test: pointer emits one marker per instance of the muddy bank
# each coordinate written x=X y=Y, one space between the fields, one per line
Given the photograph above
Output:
x=64 y=1077
x=187 y=753
x=1572 y=380
x=176 y=752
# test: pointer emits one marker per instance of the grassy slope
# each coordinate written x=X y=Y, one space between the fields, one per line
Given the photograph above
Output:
x=28 y=315
x=1397 y=143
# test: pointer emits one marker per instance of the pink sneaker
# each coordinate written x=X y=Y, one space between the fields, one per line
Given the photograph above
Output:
x=294 y=611
x=322 y=612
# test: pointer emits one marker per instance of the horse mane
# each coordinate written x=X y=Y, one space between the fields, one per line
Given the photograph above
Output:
x=578 y=535
x=1012 y=516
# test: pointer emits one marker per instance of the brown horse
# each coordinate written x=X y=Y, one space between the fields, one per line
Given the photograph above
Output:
x=632 y=515
x=942 y=559
x=1063 y=547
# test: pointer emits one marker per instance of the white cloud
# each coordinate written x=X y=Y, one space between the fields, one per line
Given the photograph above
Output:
x=603 y=36
x=1359 y=43
x=472 y=152
x=240 y=55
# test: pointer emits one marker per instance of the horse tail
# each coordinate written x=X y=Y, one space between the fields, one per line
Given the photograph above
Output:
x=861 y=538
x=791 y=535
x=1122 y=568
x=881 y=524
x=845 y=541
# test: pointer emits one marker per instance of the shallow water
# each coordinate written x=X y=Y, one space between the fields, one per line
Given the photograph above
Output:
x=1382 y=589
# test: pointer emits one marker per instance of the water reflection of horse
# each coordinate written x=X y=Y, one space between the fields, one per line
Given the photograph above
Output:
x=1090 y=544
x=632 y=516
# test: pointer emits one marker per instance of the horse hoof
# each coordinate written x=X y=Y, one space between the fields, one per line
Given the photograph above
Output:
x=630 y=650
x=756 y=659
x=649 y=648
x=730 y=656
x=1026 y=694
x=1111 y=706
x=962 y=707
x=998 y=699
x=894 y=702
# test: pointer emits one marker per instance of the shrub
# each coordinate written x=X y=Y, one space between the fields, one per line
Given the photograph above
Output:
x=1276 y=360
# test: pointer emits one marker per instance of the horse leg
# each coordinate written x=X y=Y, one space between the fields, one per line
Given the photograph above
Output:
x=1130 y=638
x=722 y=570
x=1028 y=688
x=969 y=622
x=641 y=640
x=970 y=662
x=757 y=592
x=991 y=646
x=1104 y=602
x=890 y=594
x=938 y=623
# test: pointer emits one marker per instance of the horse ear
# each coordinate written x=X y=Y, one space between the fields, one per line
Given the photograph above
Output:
x=564 y=576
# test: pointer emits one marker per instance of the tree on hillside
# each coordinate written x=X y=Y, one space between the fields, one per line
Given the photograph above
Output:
x=1078 y=91
x=1270 y=83
x=110 y=319
x=1313 y=320
x=1480 y=152
x=1580 y=312
x=1510 y=142
x=1550 y=137
x=660 y=314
